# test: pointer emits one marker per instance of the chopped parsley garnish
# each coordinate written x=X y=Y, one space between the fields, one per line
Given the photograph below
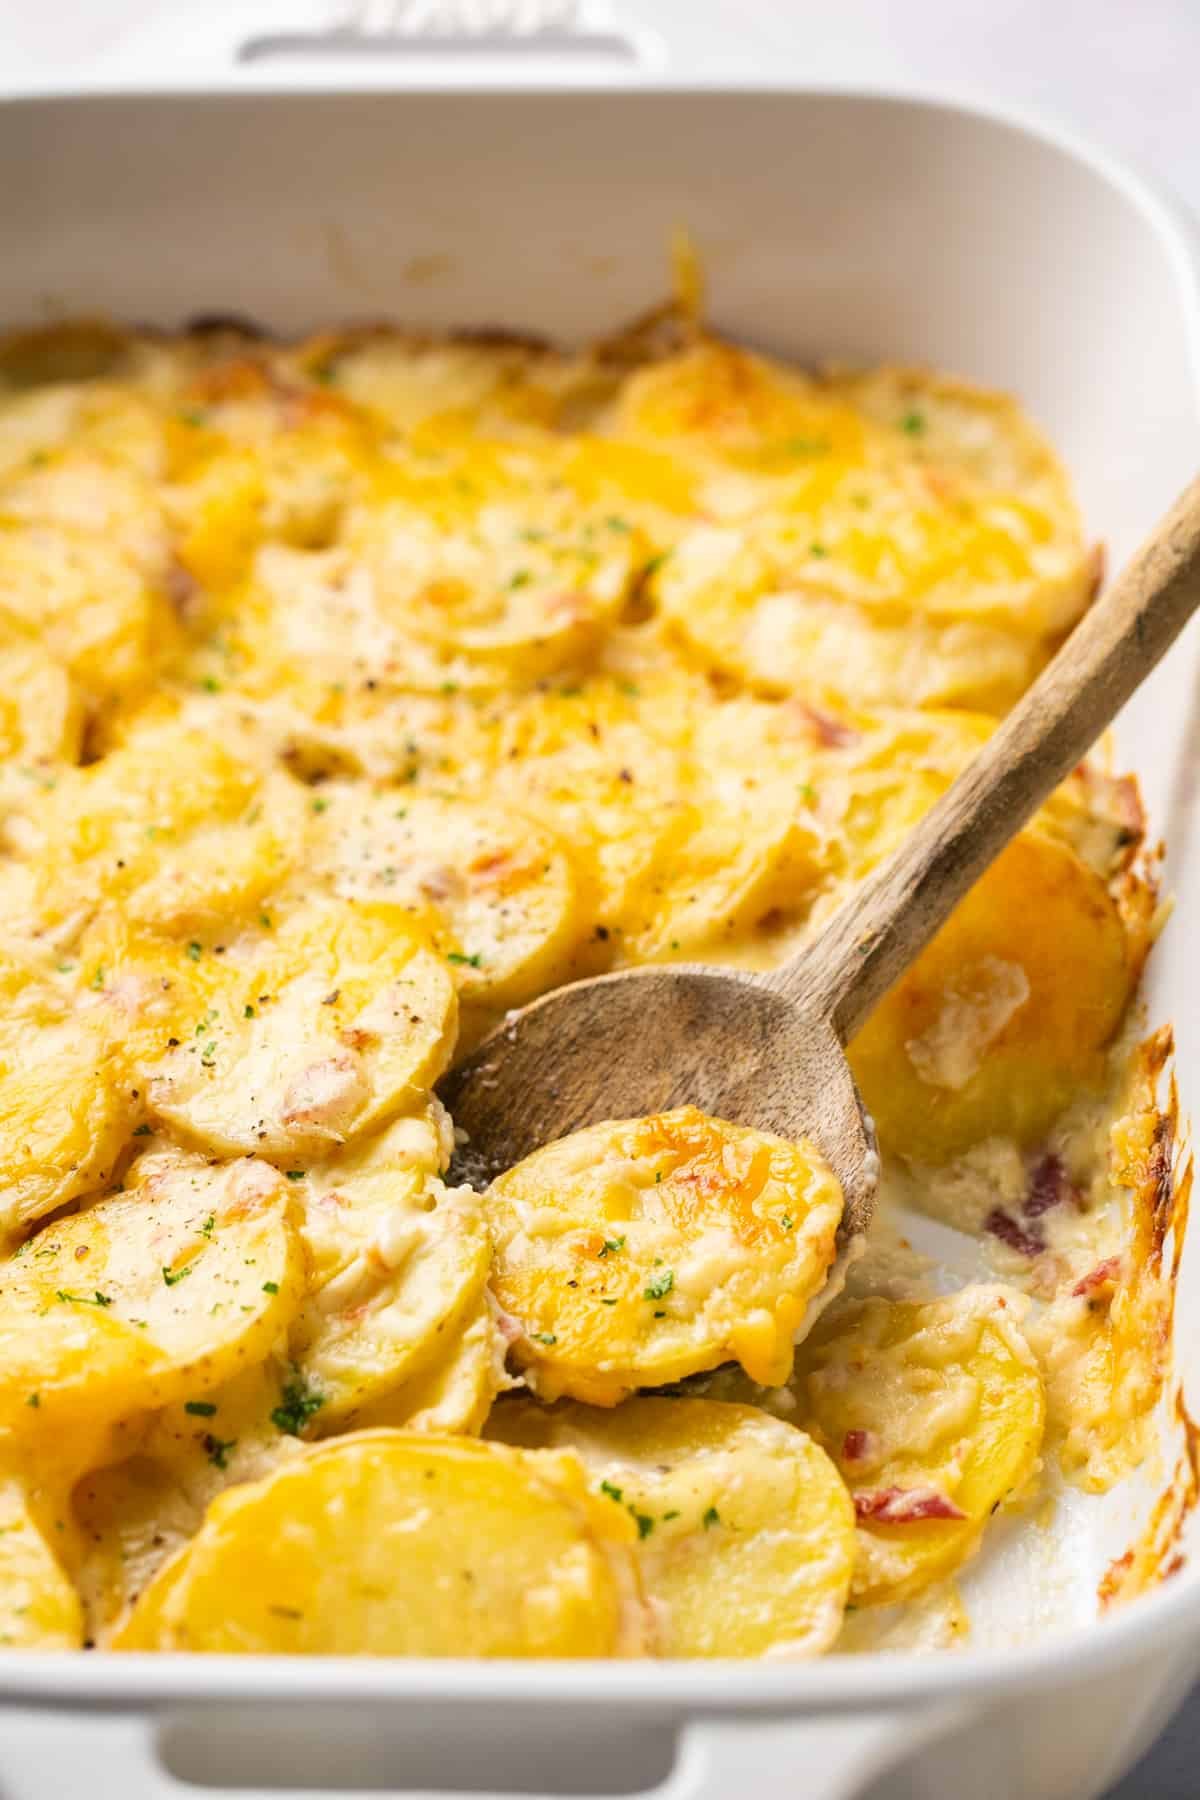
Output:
x=295 y=1174
x=194 y=951
x=172 y=1278
x=211 y=685
x=96 y=1298
x=521 y=578
x=544 y=1337
x=34 y=1400
x=913 y=423
x=816 y=549
x=614 y=1493
x=97 y=980
x=296 y=1407
x=659 y=1286
x=712 y=1517
x=208 y=1055
x=201 y=1409
x=610 y=1246
x=141 y=1131
x=207 y=1227
x=643 y=1521
x=474 y=961
x=787 y=1222
x=320 y=804
x=247 y=1011
x=270 y=1287
x=217 y=1449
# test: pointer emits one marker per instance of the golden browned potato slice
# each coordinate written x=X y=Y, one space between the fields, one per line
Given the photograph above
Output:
x=87 y=604
x=501 y=885
x=602 y=764
x=65 y=1110
x=41 y=710
x=39 y=1608
x=289 y=1038
x=201 y=1260
x=1006 y=1015
x=745 y=1531
x=174 y=827
x=390 y=1543
x=933 y=1413
x=397 y=1262
x=637 y=1252
x=904 y=537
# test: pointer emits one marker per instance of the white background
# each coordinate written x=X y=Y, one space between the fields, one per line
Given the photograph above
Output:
x=1123 y=71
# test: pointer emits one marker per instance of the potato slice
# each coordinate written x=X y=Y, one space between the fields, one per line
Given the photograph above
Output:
x=131 y=1516
x=65 y=1110
x=934 y=1414
x=745 y=1532
x=456 y=1393
x=637 y=1252
x=1006 y=1015
x=397 y=1262
x=86 y=603
x=390 y=1543
x=173 y=827
x=201 y=1260
x=286 y=1039
x=41 y=711
x=502 y=886
x=39 y=1608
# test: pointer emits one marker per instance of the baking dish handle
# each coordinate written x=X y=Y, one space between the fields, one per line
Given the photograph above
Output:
x=120 y=1756
x=506 y=38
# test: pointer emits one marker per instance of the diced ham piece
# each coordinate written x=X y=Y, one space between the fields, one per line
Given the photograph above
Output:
x=857 y=1446
x=1103 y=1275
x=1010 y=1231
x=904 y=1506
x=325 y=1098
x=1049 y=1187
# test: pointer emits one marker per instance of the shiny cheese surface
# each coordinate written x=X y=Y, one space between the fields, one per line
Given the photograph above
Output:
x=356 y=690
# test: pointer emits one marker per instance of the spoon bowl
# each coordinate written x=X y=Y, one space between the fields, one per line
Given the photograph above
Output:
x=767 y=1050
x=646 y=1040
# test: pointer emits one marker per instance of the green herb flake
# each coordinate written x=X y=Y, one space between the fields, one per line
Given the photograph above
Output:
x=96 y=1298
x=295 y=1174
x=270 y=1287
x=296 y=1407
x=611 y=1246
x=200 y=1409
x=194 y=951
x=217 y=1450
x=544 y=1337
x=643 y=1521
x=207 y=1227
x=474 y=961
x=97 y=980
x=142 y=1131
x=913 y=423
x=172 y=1278
x=34 y=1400
x=659 y=1286
x=520 y=578
x=247 y=1011
x=614 y=1493
x=712 y=1517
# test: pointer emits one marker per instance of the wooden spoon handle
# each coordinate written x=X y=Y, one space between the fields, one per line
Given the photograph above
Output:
x=885 y=924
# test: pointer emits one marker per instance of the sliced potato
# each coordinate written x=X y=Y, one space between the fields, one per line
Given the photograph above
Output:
x=65 y=1109
x=132 y=1515
x=202 y=1261
x=501 y=885
x=41 y=708
x=286 y=1039
x=1006 y=1015
x=455 y=1394
x=397 y=1262
x=745 y=1532
x=86 y=603
x=390 y=1543
x=172 y=826
x=933 y=1413
x=39 y=1608
x=637 y=1252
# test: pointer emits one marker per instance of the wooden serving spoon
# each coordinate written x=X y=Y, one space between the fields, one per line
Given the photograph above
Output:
x=767 y=1049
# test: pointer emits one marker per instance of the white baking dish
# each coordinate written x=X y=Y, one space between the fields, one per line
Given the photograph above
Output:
x=831 y=223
